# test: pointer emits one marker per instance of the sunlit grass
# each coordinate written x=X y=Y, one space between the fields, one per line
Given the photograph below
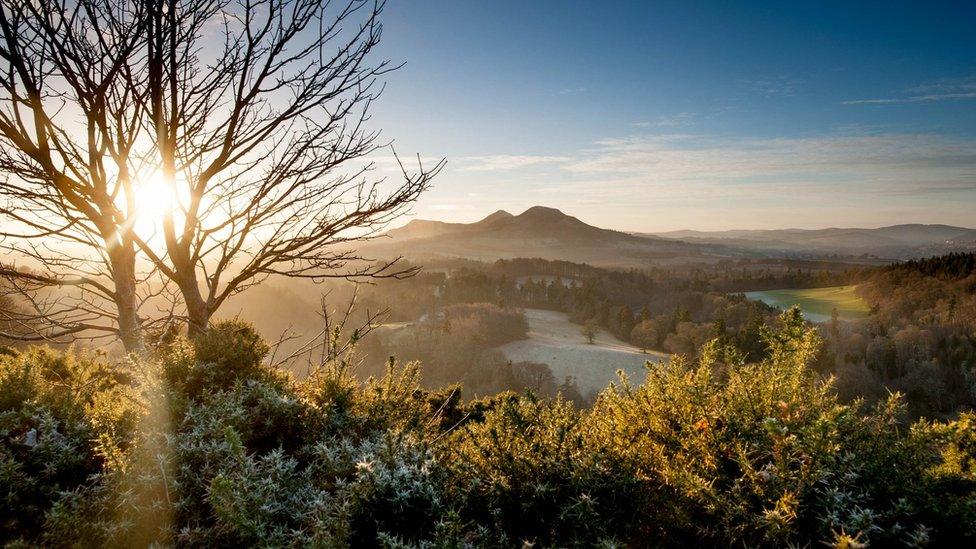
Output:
x=818 y=303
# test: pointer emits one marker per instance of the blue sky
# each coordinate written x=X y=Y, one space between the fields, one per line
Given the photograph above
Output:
x=652 y=116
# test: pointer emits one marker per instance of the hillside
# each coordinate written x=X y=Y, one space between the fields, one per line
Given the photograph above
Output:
x=539 y=232
x=548 y=233
x=895 y=242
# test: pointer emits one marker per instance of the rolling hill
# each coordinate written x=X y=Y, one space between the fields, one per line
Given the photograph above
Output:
x=548 y=233
x=539 y=232
x=893 y=242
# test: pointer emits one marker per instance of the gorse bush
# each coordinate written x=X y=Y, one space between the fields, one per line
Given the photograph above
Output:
x=761 y=453
x=62 y=423
x=203 y=445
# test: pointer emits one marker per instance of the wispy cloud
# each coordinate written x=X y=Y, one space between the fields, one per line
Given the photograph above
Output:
x=704 y=169
x=946 y=85
x=941 y=90
x=501 y=162
x=849 y=164
x=912 y=99
x=672 y=121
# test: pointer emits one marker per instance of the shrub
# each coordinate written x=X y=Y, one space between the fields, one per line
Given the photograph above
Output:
x=531 y=477
x=61 y=425
x=207 y=446
x=230 y=350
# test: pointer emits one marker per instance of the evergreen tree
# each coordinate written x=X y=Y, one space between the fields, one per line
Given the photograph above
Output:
x=625 y=322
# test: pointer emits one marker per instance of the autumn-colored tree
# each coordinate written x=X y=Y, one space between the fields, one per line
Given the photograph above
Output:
x=644 y=335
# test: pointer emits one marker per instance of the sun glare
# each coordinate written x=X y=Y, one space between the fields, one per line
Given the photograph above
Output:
x=155 y=199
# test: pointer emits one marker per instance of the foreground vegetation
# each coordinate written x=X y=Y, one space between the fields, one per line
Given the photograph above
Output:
x=203 y=445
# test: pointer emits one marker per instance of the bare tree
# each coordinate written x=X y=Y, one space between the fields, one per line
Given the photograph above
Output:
x=335 y=341
x=253 y=112
x=66 y=137
x=259 y=110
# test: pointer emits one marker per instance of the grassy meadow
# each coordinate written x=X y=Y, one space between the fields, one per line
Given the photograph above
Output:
x=817 y=303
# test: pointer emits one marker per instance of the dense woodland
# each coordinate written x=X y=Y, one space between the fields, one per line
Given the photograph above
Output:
x=920 y=339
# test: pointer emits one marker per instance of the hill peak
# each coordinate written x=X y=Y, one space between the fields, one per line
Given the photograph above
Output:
x=500 y=214
x=543 y=212
x=420 y=228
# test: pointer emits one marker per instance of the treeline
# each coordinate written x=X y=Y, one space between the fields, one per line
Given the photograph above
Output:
x=920 y=339
x=743 y=275
x=458 y=280
x=952 y=266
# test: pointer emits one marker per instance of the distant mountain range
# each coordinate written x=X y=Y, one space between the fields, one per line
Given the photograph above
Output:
x=894 y=242
x=539 y=232
x=551 y=234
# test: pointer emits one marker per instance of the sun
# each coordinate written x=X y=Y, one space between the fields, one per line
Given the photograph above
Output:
x=154 y=199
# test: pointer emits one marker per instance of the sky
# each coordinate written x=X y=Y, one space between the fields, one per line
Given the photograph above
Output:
x=655 y=116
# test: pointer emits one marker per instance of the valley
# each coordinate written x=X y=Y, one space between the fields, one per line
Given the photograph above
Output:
x=306 y=273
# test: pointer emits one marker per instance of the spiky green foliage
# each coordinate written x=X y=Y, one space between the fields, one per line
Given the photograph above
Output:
x=205 y=446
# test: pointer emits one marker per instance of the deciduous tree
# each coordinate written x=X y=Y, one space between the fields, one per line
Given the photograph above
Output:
x=250 y=119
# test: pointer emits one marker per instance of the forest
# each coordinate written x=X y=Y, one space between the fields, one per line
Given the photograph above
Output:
x=918 y=340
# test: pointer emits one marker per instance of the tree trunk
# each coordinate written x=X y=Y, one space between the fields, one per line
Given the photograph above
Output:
x=199 y=319
x=123 y=260
x=197 y=310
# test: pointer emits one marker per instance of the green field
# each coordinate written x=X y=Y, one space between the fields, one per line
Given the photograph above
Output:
x=817 y=303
